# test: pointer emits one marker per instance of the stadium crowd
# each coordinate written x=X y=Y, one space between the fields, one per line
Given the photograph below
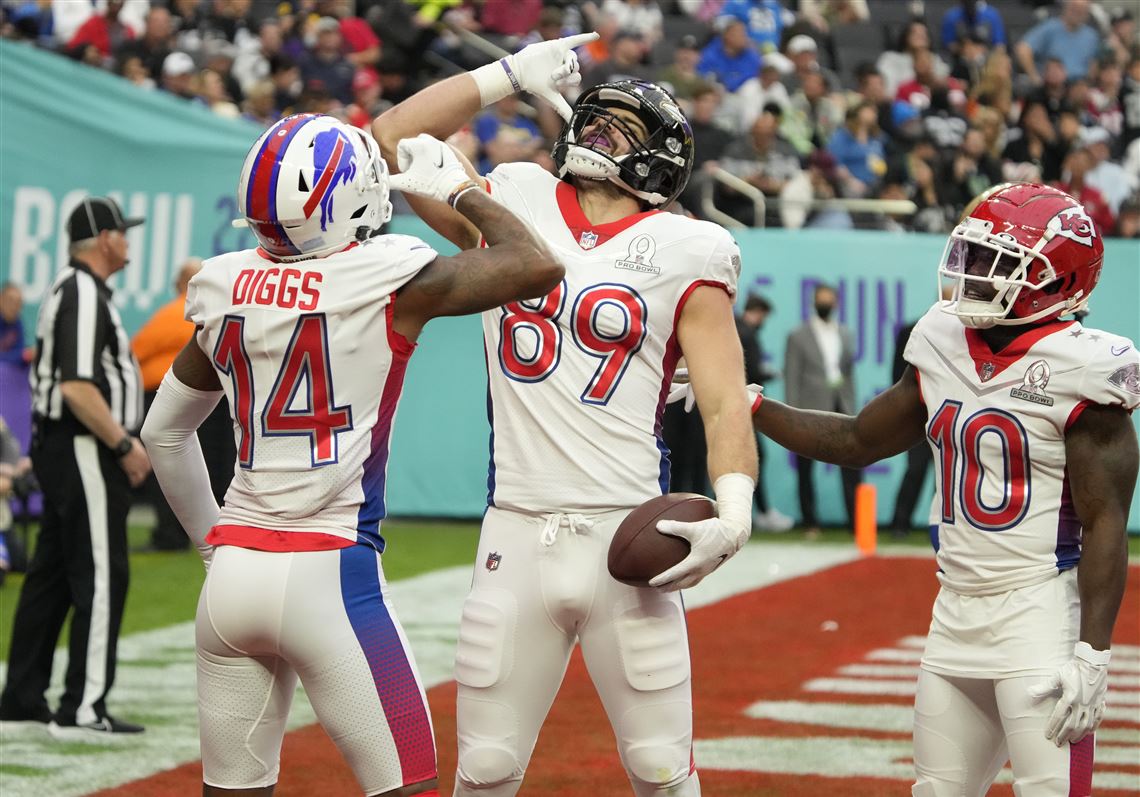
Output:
x=923 y=100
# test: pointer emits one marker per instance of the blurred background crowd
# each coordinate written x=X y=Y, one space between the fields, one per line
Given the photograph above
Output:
x=888 y=114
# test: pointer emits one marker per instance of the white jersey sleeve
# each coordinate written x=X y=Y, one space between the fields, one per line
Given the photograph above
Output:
x=1112 y=377
x=313 y=371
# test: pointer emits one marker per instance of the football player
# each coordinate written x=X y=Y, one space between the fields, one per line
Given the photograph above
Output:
x=578 y=378
x=309 y=336
x=1027 y=418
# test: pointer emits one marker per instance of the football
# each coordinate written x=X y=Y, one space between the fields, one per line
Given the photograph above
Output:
x=638 y=551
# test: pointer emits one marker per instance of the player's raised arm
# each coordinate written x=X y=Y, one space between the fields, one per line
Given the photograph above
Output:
x=891 y=423
x=514 y=265
x=443 y=108
x=1102 y=459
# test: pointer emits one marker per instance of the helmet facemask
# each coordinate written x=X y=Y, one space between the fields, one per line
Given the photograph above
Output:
x=989 y=272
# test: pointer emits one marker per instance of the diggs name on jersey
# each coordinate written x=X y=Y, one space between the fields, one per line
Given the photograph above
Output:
x=277 y=286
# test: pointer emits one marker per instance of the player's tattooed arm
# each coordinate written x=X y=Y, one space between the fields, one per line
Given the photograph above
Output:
x=1101 y=458
x=891 y=423
x=515 y=265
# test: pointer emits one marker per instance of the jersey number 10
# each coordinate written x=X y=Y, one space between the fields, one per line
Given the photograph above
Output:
x=306 y=362
x=540 y=319
x=964 y=446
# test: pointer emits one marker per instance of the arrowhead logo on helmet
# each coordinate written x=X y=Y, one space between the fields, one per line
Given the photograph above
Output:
x=1075 y=224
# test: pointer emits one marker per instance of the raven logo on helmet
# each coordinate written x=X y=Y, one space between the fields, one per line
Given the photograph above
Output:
x=1074 y=224
x=334 y=162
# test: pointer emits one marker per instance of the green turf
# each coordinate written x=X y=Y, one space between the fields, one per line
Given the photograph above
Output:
x=164 y=586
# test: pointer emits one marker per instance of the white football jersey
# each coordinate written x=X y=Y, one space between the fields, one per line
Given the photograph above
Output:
x=313 y=372
x=578 y=378
x=1003 y=515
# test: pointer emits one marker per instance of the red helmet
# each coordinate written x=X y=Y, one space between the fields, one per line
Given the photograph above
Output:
x=1025 y=253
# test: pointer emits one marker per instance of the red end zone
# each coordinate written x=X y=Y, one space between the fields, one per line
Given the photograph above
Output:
x=800 y=680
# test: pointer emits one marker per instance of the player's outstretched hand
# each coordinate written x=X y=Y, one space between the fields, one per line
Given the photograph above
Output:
x=544 y=67
x=713 y=541
x=681 y=390
x=1080 y=687
x=428 y=168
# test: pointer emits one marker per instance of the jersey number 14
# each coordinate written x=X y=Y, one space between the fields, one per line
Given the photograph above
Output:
x=306 y=362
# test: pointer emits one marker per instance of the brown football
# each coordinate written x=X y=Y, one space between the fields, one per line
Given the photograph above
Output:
x=638 y=551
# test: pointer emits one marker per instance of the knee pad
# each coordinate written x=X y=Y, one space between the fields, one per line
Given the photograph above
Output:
x=688 y=786
x=923 y=788
x=656 y=766
x=486 y=768
x=484 y=653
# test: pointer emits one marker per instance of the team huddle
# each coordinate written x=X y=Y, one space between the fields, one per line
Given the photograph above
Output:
x=590 y=293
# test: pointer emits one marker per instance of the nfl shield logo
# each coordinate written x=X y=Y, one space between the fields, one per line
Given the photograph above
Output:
x=493 y=560
x=987 y=371
x=588 y=240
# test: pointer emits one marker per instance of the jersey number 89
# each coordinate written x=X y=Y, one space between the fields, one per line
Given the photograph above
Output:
x=539 y=320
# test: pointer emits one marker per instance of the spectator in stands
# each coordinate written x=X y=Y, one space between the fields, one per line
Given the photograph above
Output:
x=764 y=21
x=1053 y=88
x=763 y=158
x=286 y=77
x=68 y=16
x=550 y=26
x=212 y=93
x=994 y=87
x=976 y=19
x=681 y=75
x=1113 y=181
x=765 y=517
x=916 y=171
x=325 y=67
x=1121 y=35
x=259 y=105
x=14 y=469
x=1128 y=222
x=505 y=135
x=710 y=139
x=32 y=20
x=823 y=15
x=1034 y=152
x=218 y=56
x=740 y=109
x=858 y=150
x=367 y=98
x=1067 y=37
x=251 y=65
x=505 y=23
x=969 y=61
x=132 y=70
x=360 y=44
x=153 y=46
x=626 y=62
x=227 y=20
x=804 y=55
x=819 y=375
x=823 y=177
x=812 y=116
x=188 y=17
x=897 y=65
x=869 y=87
x=1130 y=103
x=1103 y=107
x=642 y=17
x=969 y=172
x=730 y=58
x=12 y=348
x=178 y=72
x=1074 y=173
x=105 y=31
x=990 y=123
x=931 y=89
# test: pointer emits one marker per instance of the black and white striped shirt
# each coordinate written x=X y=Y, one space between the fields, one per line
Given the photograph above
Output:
x=79 y=336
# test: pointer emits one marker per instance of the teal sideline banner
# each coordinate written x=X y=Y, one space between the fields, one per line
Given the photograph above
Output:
x=67 y=131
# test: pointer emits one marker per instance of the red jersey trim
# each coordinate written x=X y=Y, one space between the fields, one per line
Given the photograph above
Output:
x=982 y=355
x=918 y=381
x=577 y=223
x=277 y=541
x=401 y=347
x=1076 y=411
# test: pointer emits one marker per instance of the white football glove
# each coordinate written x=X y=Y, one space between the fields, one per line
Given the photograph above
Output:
x=682 y=390
x=714 y=540
x=428 y=168
x=1080 y=687
x=540 y=69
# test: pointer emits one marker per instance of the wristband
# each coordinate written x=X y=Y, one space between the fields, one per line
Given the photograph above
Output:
x=1090 y=655
x=495 y=81
x=460 y=190
x=123 y=447
x=756 y=402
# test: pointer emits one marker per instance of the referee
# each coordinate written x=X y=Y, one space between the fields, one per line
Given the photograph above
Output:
x=86 y=401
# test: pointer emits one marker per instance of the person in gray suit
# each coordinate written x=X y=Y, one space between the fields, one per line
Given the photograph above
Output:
x=818 y=375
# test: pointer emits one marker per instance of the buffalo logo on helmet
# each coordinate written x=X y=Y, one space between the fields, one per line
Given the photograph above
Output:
x=334 y=162
x=1075 y=224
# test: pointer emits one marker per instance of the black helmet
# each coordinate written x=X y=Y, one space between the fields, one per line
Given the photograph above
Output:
x=654 y=170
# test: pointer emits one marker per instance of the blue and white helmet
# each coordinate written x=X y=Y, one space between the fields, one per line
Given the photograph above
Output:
x=311 y=185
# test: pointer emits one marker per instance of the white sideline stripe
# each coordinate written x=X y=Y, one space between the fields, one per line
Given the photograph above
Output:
x=156 y=674
x=1121 y=683
x=861 y=686
x=891 y=654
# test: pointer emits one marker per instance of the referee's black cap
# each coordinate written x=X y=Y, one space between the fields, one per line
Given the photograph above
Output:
x=94 y=215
